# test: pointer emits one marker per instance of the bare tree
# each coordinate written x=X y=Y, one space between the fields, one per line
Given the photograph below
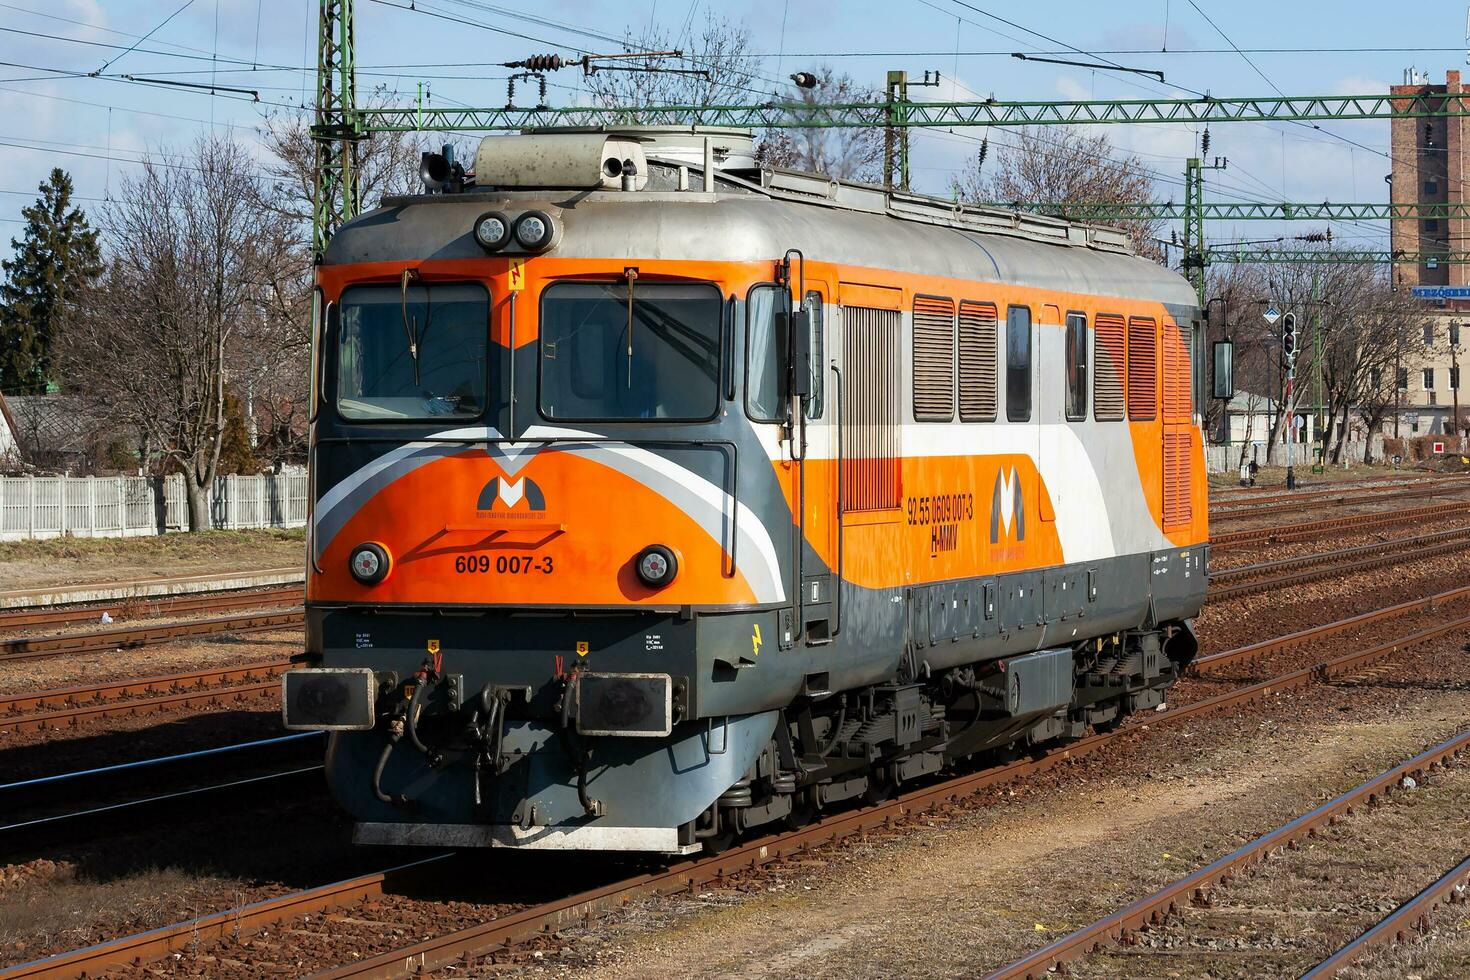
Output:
x=1063 y=166
x=185 y=310
x=716 y=68
x=849 y=154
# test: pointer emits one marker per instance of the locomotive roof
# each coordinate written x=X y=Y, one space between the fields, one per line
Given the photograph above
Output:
x=756 y=215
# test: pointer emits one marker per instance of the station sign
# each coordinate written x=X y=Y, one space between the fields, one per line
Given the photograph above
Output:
x=1441 y=292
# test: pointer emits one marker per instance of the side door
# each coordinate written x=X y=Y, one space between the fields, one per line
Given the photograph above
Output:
x=817 y=469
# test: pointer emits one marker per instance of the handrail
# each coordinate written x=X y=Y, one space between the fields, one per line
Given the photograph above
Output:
x=837 y=588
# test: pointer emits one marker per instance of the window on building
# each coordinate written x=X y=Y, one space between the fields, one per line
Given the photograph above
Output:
x=1428 y=335
x=1429 y=379
x=1076 y=344
x=1018 y=364
x=1454 y=379
x=1431 y=187
x=1403 y=379
x=1375 y=378
x=1454 y=335
x=1431 y=224
x=1434 y=398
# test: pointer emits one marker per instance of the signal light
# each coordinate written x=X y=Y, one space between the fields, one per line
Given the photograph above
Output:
x=1288 y=336
x=492 y=231
x=534 y=230
x=370 y=563
x=657 y=566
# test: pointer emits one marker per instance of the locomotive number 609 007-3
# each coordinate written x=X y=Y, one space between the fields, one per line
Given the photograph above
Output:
x=504 y=564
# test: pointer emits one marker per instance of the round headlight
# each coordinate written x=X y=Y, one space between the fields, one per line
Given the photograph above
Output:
x=492 y=231
x=657 y=566
x=370 y=563
x=533 y=230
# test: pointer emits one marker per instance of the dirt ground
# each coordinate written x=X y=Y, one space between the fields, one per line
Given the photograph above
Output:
x=78 y=561
x=970 y=894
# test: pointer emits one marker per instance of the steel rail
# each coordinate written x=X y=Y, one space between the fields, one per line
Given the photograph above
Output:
x=1206 y=664
x=158 y=943
x=75 y=717
x=1323 y=557
x=126 y=637
x=1408 y=918
x=1395 y=556
x=189 y=602
x=477 y=940
x=1195 y=886
x=1250 y=496
x=86 y=695
x=445 y=950
x=1245 y=512
x=1308 y=529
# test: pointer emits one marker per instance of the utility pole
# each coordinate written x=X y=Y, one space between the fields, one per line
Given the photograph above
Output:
x=896 y=133
x=1195 y=256
x=1455 y=377
x=1288 y=351
x=337 y=128
x=1320 y=433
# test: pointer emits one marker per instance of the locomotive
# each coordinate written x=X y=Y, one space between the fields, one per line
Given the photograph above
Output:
x=658 y=495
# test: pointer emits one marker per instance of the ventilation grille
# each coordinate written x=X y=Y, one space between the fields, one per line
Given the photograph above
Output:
x=933 y=359
x=1178 y=384
x=1109 y=360
x=1178 y=490
x=1143 y=369
x=870 y=409
x=977 y=362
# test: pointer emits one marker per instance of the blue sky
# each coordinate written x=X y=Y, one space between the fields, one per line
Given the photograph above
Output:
x=97 y=127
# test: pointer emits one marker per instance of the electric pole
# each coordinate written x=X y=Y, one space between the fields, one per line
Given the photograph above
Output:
x=337 y=129
x=1288 y=351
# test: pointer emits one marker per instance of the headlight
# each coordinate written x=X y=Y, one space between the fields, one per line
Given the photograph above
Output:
x=657 y=566
x=370 y=563
x=492 y=231
x=534 y=230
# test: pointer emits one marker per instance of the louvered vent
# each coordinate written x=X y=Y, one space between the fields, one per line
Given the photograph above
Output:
x=933 y=359
x=1143 y=369
x=977 y=362
x=1109 y=361
x=1178 y=359
x=870 y=408
x=1178 y=489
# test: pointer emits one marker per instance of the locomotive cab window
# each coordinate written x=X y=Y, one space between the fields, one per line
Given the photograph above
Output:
x=1076 y=358
x=1018 y=364
x=765 y=321
x=630 y=351
x=415 y=353
x=818 y=364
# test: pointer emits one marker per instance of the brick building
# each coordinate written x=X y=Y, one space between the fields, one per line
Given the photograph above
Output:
x=1428 y=161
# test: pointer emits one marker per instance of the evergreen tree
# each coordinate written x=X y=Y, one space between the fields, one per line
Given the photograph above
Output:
x=56 y=256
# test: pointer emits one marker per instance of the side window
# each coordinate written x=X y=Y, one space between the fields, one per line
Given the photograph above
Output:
x=764 y=400
x=819 y=359
x=1018 y=364
x=977 y=362
x=1076 y=354
x=933 y=359
x=1143 y=369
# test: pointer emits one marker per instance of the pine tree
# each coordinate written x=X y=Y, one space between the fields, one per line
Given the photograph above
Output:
x=56 y=256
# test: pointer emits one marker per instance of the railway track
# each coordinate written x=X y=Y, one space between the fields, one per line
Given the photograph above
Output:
x=71 y=707
x=1336 y=499
x=1195 y=887
x=128 y=637
x=1247 y=580
x=461 y=945
x=152 y=608
x=1306 y=530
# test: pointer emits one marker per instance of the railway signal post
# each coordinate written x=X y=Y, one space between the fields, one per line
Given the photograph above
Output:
x=1288 y=351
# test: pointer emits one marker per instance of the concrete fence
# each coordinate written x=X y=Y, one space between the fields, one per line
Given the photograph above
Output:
x=1226 y=459
x=129 y=506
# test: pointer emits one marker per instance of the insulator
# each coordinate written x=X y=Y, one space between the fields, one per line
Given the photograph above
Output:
x=1204 y=143
x=539 y=62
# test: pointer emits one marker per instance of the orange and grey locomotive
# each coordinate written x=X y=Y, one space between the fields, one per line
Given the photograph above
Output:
x=658 y=496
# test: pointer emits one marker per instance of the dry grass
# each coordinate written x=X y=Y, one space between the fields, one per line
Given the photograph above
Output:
x=68 y=910
x=69 y=560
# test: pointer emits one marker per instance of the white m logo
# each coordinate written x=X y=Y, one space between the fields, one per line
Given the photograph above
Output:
x=1006 y=506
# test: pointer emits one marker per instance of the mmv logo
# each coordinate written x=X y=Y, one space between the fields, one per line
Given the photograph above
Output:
x=1007 y=508
x=507 y=495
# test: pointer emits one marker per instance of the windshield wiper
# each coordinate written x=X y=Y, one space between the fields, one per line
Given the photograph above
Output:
x=410 y=327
